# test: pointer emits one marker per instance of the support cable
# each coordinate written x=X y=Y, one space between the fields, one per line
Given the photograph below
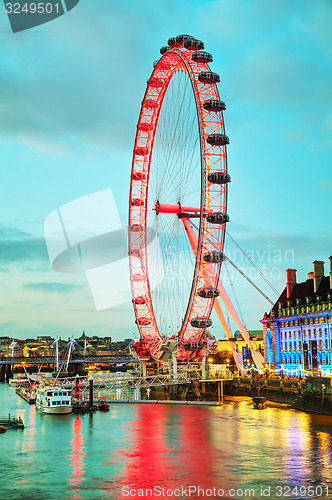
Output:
x=243 y=274
x=253 y=264
x=249 y=280
x=235 y=296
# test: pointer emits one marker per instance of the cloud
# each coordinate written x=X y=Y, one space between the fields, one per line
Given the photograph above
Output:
x=44 y=146
x=301 y=243
x=320 y=25
x=12 y=233
x=273 y=59
x=17 y=246
x=84 y=81
x=280 y=79
x=274 y=252
x=49 y=287
x=88 y=85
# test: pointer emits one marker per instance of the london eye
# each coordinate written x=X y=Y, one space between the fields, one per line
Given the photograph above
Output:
x=178 y=201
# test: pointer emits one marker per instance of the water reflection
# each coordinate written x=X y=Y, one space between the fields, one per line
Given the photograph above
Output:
x=147 y=445
x=324 y=450
x=76 y=458
x=232 y=446
x=296 y=442
x=148 y=450
x=170 y=448
x=198 y=445
x=29 y=442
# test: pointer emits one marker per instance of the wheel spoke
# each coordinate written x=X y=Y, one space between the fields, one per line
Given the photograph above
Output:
x=175 y=151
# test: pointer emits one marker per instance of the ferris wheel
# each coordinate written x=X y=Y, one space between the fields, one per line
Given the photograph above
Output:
x=178 y=200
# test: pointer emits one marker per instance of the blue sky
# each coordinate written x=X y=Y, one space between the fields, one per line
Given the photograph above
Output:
x=70 y=94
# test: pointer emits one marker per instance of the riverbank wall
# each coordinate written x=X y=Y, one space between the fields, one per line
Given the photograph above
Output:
x=311 y=395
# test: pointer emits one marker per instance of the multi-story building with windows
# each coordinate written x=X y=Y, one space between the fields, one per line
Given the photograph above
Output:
x=297 y=330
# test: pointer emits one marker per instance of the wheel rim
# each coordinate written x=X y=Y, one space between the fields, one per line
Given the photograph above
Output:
x=153 y=136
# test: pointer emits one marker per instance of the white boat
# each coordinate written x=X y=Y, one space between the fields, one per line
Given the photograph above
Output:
x=54 y=400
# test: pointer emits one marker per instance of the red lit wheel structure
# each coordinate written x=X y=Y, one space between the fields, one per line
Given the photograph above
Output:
x=178 y=200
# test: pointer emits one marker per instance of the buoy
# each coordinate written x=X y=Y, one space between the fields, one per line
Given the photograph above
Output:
x=2 y=429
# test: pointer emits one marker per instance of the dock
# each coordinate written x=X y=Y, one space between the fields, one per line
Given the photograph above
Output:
x=26 y=395
x=164 y=401
x=12 y=422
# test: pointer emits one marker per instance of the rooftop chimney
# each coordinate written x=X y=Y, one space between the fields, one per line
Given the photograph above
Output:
x=291 y=281
x=311 y=275
x=318 y=273
x=330 y=271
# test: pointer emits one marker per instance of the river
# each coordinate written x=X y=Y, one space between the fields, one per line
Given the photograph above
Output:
x=165 y=451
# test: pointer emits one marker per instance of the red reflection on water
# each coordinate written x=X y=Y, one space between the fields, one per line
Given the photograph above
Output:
x=148 y=459
x=76 y=457
x=171 y=448
x=197 y=450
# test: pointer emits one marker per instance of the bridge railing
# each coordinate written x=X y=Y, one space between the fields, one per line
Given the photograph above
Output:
x=76 y=359
x=138 y=381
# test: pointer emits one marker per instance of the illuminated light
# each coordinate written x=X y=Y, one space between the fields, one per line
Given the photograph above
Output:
x=174 y=63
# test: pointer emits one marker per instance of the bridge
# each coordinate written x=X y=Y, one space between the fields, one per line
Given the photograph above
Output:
x=177 y=385
x=75 y=359
x=186 y=376
x=140 y=382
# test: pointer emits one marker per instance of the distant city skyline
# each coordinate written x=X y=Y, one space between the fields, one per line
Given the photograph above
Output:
x=70 y=95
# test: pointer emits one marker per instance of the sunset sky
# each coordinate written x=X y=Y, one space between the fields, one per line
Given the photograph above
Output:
x=70 y=95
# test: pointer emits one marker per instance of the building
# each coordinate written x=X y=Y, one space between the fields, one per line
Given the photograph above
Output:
x=297 y=330
x=225 y=353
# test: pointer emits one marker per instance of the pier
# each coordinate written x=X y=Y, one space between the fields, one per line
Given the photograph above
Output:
x=187 y=383
x=11 y=422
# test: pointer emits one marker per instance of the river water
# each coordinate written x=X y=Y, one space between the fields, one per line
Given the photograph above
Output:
x=165 y=451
